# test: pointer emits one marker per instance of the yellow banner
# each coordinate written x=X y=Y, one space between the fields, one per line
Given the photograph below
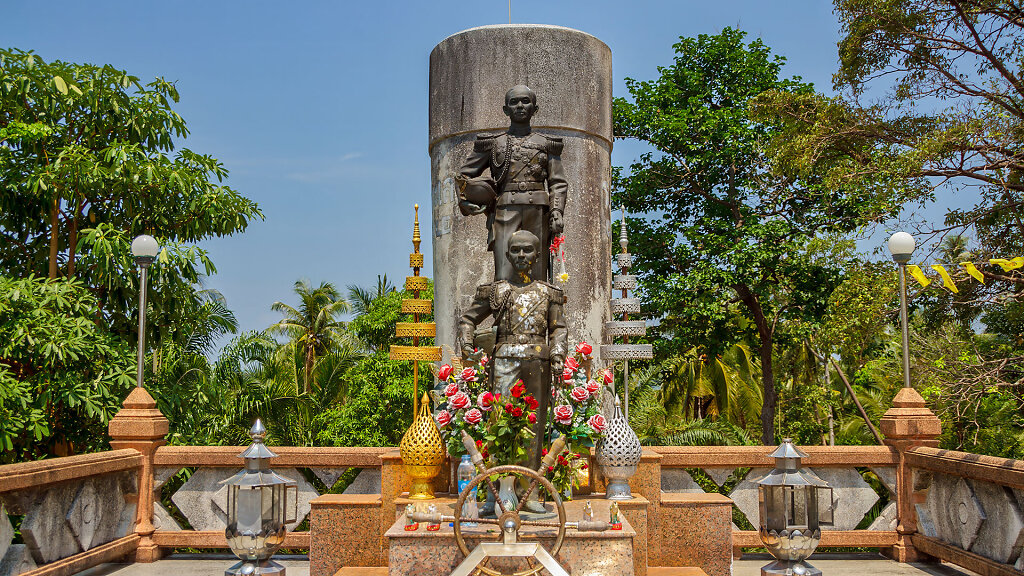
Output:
x=973 y=271
x=1008 y=265
x=918 y=275
x=946 y=280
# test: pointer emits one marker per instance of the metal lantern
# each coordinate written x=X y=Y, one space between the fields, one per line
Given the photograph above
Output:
x=618 y=453
x=794 y=505
x=257 y=510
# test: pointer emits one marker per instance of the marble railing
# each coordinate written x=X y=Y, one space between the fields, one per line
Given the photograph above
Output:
x=736 y=470
x=969 y=509
x=73 y=513
x=197 y=514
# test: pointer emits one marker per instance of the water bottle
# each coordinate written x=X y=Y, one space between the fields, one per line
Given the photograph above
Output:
x=466 y=473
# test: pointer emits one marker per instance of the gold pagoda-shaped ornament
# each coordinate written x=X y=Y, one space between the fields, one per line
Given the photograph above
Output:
x=422 y=449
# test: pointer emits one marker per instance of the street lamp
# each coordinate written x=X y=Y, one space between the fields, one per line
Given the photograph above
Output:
x=902 y=245
x=144 y=250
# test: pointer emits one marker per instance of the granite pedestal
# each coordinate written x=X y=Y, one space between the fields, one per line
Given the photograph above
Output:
x=425 y=553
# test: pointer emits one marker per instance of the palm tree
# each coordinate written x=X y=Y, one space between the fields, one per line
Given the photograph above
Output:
x=313 y=327
x=361 y=299
x=695 y=385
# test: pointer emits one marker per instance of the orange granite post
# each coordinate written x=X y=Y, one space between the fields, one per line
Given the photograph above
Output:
x=908 y=424
x=141 y=426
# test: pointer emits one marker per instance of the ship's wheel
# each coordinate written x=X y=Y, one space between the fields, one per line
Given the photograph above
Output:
x=506 y=542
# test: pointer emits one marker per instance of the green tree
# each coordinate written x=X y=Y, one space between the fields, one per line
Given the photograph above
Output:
x=62 y=376
x=314 y=327
x=725 y=228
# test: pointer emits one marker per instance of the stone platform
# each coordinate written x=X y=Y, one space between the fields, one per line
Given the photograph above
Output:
x=423 y=553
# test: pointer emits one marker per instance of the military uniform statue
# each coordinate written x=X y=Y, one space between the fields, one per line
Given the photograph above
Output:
x=526 y=187
x=531 y=335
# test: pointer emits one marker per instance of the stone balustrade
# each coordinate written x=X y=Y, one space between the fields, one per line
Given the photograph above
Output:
x=74 y=512
x=81 y=511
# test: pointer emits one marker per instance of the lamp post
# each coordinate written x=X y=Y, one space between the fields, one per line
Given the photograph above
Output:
x=902 y=245
x=144 y=250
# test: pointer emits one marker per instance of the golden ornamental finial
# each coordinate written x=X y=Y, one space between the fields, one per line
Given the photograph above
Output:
x=416 y=230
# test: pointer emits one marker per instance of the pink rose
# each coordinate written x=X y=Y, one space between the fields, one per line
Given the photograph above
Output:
x=451 y=390
x=584 y=349
x=563 y=414
x=473 y=416
x=445 y=372
x=579 y=394
x=443 y=418
x=597 y=422
x=484 y=400
x=567 y=374
x=592 y=386
x=459 y=401
x=608 y=377
x=571 y=363
x=468 y=375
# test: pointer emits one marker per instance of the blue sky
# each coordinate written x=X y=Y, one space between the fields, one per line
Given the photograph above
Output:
x=319 y=109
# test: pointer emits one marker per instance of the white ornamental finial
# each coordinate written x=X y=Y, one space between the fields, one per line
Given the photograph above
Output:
x=623 y=238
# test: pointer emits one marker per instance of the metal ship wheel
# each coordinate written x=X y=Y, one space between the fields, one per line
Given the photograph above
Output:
x=508 y=545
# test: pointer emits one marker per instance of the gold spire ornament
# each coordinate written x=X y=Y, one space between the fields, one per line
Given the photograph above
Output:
x=422 y=452
x=416 y=306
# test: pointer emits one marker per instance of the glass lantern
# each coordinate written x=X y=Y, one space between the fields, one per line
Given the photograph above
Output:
x=258 y=510
x=794 y=505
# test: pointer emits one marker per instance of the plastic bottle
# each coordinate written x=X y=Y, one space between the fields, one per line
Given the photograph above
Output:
x=466 y=473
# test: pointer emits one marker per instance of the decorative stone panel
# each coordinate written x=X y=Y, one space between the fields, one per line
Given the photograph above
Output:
x=367 y=482
x=744 y=495
x=329 y=476
x=678 y=480
x=953 y=511
x=887 y=519
x=68 y=518
x=887 y=474
x=719 y=475
x=1002 y=531
x=16 y=560
x=6 y=531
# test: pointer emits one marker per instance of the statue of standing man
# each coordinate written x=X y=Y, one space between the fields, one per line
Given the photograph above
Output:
x=525 y=189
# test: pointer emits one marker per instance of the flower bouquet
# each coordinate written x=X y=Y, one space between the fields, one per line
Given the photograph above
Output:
x=577 y=415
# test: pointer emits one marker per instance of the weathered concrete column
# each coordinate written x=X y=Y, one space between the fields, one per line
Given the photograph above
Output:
x=571 y=73
x=908 y=424
x=141 y=426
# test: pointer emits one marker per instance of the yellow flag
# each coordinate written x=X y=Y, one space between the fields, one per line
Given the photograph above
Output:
x=973 y=271
x=1008 y=265
x=918 y=275
x=946 y=280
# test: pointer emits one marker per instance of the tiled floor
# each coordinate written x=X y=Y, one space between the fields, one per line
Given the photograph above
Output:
x=830 y=565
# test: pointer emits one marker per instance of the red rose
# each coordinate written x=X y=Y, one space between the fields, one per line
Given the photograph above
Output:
x=543 y=451
x=579 y=394
x=473 y=416
x=451 y=390
x=459 y=401
x=531 y=402
x=597 y=422
x=584 y=349
x=592 y=386
x=517 y=411
x=571 y=363
x=508 y=408
x=445 y=372
x=563 y=414
x=518 y=389
x=532 y=418
x=608 y=376
x=479 y=443
x=483 y=360
x=567 y=374
x=443 y=418
x=468 y=375
x=484 y=400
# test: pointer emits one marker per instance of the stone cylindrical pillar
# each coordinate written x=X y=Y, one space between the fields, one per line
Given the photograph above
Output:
x=571 y=73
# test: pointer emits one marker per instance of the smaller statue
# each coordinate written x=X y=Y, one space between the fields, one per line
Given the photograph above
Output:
x=613 y=516
x=410 y=524
x=588 y=512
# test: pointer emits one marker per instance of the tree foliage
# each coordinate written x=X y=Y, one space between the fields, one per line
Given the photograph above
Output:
x=724 y=230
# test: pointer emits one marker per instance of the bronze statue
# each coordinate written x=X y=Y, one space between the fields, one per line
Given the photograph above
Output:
x=526 y=187
x=531 y=336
